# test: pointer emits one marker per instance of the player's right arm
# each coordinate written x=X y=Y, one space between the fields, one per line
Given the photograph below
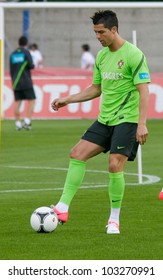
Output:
x=88 y=93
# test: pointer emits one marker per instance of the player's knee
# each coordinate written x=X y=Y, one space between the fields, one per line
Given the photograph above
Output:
x=113 y=166
x=74 y=153
x=116 y=163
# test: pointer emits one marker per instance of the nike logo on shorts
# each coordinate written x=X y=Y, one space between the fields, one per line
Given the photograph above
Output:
x=120 y=147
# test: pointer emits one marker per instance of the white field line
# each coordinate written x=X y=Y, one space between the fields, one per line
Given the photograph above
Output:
x=150 y=179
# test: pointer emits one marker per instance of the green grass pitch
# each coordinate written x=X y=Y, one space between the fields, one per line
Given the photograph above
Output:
x=32 y=171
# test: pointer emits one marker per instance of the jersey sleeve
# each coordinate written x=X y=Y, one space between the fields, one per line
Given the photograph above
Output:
x=139 y=68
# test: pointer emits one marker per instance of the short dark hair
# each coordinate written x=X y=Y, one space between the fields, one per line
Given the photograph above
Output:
x=34 y=45
x=23 y=41
x=108 y=18
x=85 y=47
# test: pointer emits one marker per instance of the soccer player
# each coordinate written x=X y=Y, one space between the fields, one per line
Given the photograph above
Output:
x=121 y=77
x=20 y=66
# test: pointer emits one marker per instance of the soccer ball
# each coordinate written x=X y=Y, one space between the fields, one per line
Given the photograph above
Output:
x=44 y=219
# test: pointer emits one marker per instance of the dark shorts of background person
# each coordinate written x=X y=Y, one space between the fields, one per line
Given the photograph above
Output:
x=119 y=139
x=25 y=94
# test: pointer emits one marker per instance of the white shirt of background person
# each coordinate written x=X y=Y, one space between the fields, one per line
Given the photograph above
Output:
x=37 y=58
x=87 y=58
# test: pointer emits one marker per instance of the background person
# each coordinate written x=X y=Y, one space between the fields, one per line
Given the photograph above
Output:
x=36 y=55
x=121 y=76
x=87 y=58
x=20 y=65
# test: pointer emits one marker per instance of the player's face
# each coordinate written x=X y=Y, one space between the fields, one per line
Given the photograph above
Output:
x=105 y=35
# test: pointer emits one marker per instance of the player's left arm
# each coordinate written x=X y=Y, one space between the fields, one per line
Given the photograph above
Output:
x=142 y=131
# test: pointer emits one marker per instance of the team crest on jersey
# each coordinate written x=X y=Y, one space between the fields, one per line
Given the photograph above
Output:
x=120 y=64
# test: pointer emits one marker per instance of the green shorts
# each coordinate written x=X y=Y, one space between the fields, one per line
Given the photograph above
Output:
x=119 y=139
x=26 y=94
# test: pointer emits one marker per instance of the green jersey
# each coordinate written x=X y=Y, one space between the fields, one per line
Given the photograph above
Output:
x=118 y=73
